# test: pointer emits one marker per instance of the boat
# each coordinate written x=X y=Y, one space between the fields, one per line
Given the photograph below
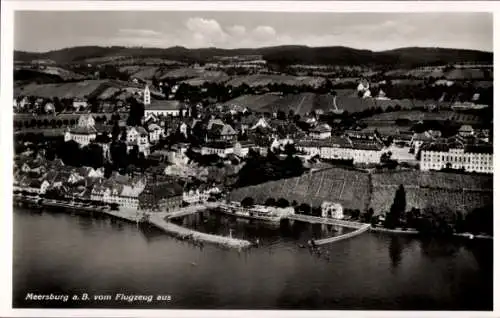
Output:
x=260 y=213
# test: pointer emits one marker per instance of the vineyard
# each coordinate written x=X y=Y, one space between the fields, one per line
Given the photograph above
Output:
x=461 y=192
x=348 y=187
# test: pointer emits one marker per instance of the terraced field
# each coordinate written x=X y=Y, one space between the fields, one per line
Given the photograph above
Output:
x=458 y=191
x=348 y=187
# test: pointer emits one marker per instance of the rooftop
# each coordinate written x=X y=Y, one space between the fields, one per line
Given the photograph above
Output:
x=164 y=105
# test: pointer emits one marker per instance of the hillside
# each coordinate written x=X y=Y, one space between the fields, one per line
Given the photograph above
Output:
x=348 y=187
x=358 y=190
x=277 y=55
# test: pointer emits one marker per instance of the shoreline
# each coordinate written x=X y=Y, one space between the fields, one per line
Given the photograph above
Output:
x=177 y=231
x=157 y=220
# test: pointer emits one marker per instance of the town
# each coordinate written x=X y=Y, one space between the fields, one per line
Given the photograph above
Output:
x=186 y=156
x=162 y=136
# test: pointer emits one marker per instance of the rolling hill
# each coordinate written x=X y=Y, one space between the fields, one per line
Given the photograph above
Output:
x=284 y=55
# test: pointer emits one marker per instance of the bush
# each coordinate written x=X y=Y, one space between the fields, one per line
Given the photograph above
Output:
x=247 y=202
x=282 y=203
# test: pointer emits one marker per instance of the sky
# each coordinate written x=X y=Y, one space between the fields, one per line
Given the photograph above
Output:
x=40 y=31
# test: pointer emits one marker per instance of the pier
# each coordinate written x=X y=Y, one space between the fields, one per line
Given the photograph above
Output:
x=161 y=222
x=320 y=220
x=360 y=227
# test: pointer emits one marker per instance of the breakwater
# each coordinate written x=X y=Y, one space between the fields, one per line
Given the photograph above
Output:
x=161 y=222
x=333 y=239
x=320 y=220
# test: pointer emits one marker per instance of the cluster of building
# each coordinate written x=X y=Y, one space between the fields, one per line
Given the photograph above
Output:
x=145 y=192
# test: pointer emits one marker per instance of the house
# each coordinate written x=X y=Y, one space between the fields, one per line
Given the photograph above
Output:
x=221 y=148
x=155 y=132
x=322 y=131
x=84 y=132
x=419 y=139
x=80 y=103
x=466 y=131
x=49 y=107
x=218 y=131
x=161 y=196
x=331 y=210
x=261 y=122
x=137 y=136
x=241 y=148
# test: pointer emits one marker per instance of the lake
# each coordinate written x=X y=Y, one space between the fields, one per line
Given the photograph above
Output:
x=61 y=253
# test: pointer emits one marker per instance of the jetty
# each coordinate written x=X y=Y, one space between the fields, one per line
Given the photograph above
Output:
x=321 y=220
x=360 y=227
x=161 y=222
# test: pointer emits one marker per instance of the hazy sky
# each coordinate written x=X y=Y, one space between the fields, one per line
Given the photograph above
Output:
x=49 y=30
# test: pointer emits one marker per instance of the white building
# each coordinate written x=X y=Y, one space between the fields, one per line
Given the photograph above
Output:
x=155 y=132
x=343 y=148
x=322 y=131
x=138 y=136
x=79 y=103
x=222 y=149
x=454 y=154
x=241 y=148
x=332 y=210
x=84 y=132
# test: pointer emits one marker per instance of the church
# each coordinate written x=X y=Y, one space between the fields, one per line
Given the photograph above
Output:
x=161 y=107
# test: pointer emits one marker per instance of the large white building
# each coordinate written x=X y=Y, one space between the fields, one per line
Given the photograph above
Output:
x=343 y=148
x=455 y=154
x=84 y=132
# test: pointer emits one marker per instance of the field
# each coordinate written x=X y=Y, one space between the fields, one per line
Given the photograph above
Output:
x=348 y=187
x=453 y=74
x=142 y=72
x=208 y=77
x=60 y=90
x=306 y=102
x=62 y=73
x=189 y=72
x=95 y=88
x=416 y=115
x=264 y=79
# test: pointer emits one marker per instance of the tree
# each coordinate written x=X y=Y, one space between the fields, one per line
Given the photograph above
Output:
x=282 y=203
x=270 y=202
x=367 y=216
x=247 y=202
x=398 y=208
x=305 y=208
x=115 y=132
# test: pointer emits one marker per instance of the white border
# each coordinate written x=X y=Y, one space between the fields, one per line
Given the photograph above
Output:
x=6 y=143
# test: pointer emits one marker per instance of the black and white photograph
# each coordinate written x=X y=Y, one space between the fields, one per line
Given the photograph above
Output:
x=204 y=159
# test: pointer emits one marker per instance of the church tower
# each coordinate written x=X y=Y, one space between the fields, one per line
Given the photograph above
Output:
x=147 y=96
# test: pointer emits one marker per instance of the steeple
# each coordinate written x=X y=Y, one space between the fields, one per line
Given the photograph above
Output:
x=147 y=96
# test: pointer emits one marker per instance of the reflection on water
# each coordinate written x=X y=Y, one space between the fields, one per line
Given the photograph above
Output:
x=267 y=232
